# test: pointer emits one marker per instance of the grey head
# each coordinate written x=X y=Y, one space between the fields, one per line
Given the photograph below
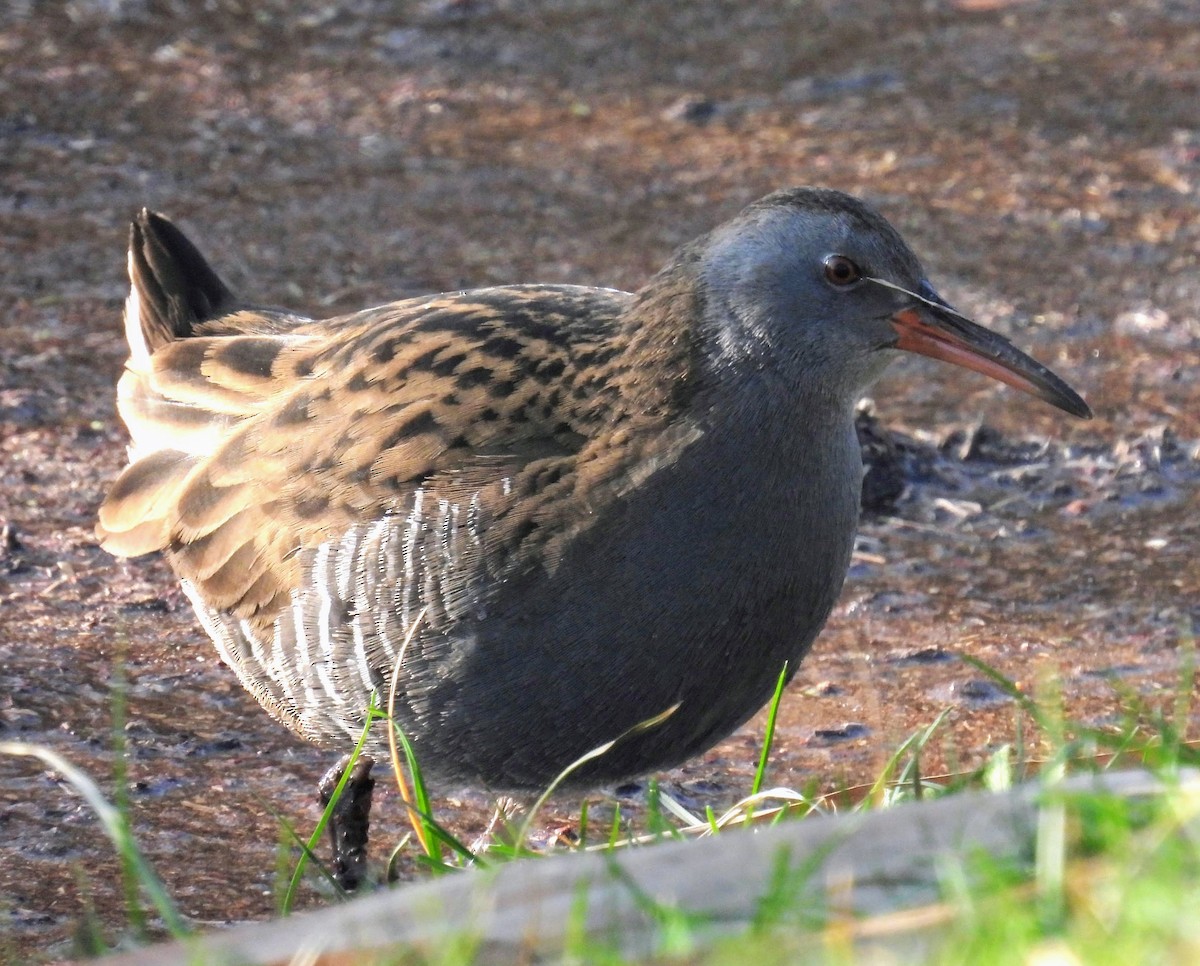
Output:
x=813 y=289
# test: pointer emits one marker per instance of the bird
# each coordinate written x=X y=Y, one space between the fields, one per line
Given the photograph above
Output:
x=562 y=510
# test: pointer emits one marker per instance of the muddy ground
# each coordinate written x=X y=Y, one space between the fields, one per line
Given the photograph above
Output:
x=1043 y=157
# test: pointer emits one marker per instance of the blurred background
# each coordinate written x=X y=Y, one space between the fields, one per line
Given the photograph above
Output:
x=1043 y=156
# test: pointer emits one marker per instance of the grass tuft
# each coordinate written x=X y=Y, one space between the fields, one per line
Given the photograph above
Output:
x=1109 y=879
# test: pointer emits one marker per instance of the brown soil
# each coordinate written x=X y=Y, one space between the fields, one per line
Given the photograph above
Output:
x=1043 y=156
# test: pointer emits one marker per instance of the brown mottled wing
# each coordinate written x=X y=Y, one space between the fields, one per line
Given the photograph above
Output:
x=250 y=449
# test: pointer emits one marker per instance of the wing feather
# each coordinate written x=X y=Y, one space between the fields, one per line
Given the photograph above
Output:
x=285 y=441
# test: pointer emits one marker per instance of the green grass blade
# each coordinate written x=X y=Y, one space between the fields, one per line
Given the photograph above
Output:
x=308 y=850
x=915 y=743
x=129 y=875
x=677 y=927
x=115 y=825
x=614 y=833
x=583 y=760
x=1008 y=686
x=435 y=834
x=422 y=809
x=760 y=773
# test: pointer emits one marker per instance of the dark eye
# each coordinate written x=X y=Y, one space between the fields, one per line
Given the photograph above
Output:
x=841 y=271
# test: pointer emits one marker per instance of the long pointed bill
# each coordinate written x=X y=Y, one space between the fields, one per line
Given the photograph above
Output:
x=934 y=329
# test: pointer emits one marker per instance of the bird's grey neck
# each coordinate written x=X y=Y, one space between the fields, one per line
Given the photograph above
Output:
x=813 y=440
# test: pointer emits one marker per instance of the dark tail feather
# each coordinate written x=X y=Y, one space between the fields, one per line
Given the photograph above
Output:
x=176 y=288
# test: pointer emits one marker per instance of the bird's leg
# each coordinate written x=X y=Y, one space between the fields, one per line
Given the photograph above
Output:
x=350 y=819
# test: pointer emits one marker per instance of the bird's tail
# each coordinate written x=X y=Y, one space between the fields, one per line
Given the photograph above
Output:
x=200 y=367
x=172 y=289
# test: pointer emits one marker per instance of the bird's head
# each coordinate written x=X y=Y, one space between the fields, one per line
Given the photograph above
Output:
x=814 y=287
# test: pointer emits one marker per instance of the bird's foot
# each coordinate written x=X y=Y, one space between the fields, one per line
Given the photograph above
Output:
x=350 y=820
x=504 y=826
